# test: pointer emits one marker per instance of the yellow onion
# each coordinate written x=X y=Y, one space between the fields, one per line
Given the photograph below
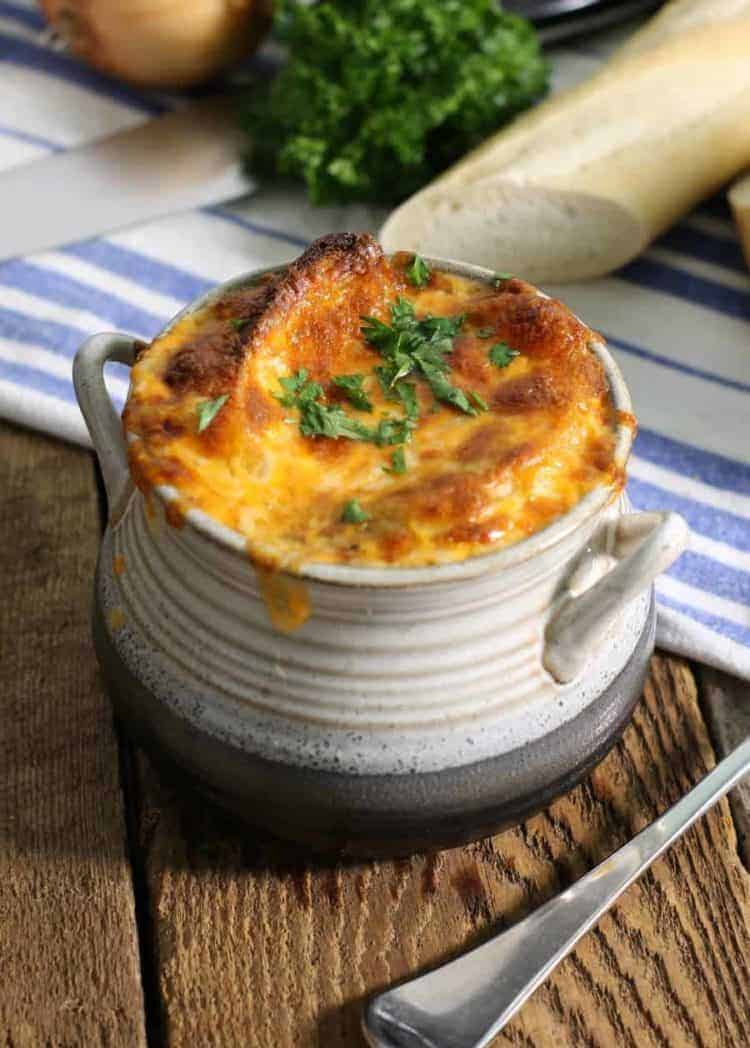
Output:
x=160 y=43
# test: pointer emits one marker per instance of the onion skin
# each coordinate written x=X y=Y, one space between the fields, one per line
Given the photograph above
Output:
x=160 y=43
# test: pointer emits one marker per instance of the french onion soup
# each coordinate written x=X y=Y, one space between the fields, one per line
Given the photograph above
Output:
x=362 y=409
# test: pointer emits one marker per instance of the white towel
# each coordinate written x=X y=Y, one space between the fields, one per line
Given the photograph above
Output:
x=678 y=320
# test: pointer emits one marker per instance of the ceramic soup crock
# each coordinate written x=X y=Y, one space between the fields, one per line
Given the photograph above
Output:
x=415 y=707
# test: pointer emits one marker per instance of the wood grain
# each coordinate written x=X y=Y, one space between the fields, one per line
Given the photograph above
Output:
x=68 y=942
x=256 y=946
x=726 y=705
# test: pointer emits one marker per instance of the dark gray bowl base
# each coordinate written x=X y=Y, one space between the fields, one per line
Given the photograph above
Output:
x=375 y=815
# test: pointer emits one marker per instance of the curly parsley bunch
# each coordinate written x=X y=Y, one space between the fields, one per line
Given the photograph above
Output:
x=378 y=96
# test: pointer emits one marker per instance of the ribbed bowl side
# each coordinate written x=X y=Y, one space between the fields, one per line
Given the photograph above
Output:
x=376 y=679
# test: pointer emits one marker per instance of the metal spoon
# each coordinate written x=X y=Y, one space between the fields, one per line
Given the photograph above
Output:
x=465 y=1003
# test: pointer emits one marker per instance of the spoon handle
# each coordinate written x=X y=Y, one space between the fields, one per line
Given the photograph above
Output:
x=464 y=1003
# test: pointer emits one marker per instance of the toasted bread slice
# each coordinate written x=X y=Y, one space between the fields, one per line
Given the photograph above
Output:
x=312 y=314
x=302 y=313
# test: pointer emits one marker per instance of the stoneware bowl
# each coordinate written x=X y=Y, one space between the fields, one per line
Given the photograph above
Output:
x=415 y=707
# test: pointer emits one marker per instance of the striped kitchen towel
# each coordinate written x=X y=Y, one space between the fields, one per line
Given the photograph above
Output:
x=678 y=319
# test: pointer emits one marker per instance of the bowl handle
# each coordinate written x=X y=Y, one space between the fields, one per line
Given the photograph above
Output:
x=103 y=422
x=644 y=544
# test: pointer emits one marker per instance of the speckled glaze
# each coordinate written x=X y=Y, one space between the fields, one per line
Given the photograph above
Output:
x=415 y=707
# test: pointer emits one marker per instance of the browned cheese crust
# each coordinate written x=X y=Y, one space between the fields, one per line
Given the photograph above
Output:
x=542 y=438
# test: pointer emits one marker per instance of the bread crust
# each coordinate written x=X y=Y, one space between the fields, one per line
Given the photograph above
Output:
x=581 y=184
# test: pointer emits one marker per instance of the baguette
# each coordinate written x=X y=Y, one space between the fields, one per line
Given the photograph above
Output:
x=581 y=184
x=680 y=16
x=739 y=198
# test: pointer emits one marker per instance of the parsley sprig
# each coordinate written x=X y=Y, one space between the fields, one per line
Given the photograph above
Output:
x=420 y=347
x=408 y=346
x=398 y=463
x=501 y=354
x=377 y=98
x=418 y=273
x=353 y=513
x=353 y=386
x=207 y=410
x=411 y=348
x=318 y=418
x=479 y=400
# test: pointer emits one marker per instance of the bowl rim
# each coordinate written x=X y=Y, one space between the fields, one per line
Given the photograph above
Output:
x=385 y=576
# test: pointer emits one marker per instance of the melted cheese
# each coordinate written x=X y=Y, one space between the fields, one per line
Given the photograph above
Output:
x=473 y=483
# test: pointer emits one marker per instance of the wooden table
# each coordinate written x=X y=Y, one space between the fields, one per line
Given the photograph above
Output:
x=129 y=916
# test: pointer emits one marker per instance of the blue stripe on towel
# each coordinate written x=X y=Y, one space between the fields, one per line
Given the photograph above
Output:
x=732 y=630
x=713 y=577
x=257 y=227
x=25 y=15
x=50 y=334
x=55 y=287
x=141 y=269
x=32 y=140
x=676 y=365
x=647 y=272
x=694 y=462
x=711 y=521
x=720 y=251
x=42 y=60
x=33 y=378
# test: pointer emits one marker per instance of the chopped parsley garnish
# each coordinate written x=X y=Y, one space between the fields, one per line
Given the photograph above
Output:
x=354 y=389
x=317 y=418
x=480 y=402
x=354 y=514
x=486 y=332
x=410 y=346
x=209 y=409
x=501 y=354
x=418 y=273
x=320 y=419
x=238 y=323
x=394 y=431
x=443 y=389
x=501 y=278
x=323 y=420
x=407 y=394
x=298 y=390
x=398 y=463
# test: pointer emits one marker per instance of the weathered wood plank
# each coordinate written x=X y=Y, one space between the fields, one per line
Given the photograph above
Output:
x=726 y=703
x=68 y=943
x=259 y=949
